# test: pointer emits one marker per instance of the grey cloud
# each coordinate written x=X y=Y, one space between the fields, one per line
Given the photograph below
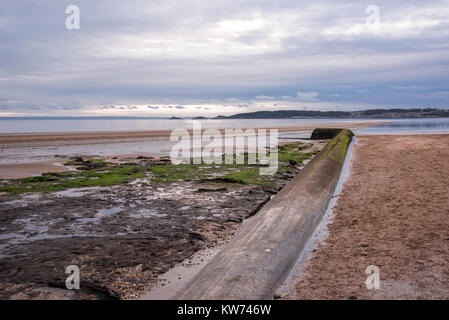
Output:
x=131 y=53
x=68 y=107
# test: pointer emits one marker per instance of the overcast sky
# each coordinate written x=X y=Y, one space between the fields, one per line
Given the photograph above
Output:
x=191 y=57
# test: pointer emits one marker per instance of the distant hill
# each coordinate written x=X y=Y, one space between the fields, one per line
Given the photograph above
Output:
x=363 y=114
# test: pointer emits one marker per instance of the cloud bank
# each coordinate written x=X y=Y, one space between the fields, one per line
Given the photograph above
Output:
x=217 y=57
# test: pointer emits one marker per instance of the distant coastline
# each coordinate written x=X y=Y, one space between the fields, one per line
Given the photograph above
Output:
x=362 y=114
x=280 y=114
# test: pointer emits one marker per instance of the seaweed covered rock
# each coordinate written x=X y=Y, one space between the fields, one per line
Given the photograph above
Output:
x=325 y=133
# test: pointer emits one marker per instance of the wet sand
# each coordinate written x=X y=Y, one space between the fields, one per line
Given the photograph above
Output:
x=24 y=155
x=22 y=170
x=79 y=136
x=393 y=213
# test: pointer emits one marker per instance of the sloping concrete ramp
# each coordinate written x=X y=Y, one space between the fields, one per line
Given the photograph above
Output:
x=262 y=253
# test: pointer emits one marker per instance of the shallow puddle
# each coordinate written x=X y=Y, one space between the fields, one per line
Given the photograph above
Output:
x=106 y=212
x=148 y=213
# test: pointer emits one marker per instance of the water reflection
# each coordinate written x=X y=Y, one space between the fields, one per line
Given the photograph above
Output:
x=409 y=126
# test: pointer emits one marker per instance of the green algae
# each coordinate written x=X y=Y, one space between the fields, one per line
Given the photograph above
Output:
x=98 y=173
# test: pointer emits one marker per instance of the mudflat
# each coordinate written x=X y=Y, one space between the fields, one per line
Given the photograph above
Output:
x=27 y=154
x=6 y=138
x=393 y=213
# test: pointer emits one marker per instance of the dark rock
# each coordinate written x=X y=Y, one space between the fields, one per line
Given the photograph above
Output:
x=212 y=190
x=270 y=190
x=325 y=133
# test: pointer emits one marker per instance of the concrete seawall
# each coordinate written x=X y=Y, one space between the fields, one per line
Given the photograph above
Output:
x=261 y=254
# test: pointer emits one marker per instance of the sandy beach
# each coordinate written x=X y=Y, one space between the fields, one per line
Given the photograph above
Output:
x=392 y=213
